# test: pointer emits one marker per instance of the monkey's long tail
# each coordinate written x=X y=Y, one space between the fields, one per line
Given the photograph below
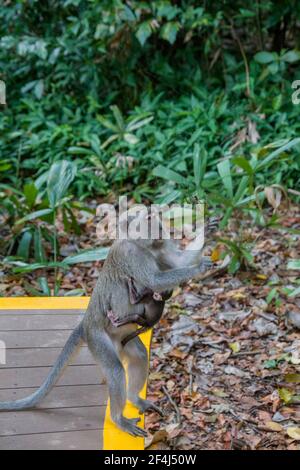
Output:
x=72 y=345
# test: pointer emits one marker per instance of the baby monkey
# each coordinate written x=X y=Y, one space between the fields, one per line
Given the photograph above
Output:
x=150 y=307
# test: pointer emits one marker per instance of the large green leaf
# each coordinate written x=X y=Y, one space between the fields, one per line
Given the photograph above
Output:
x=269 y=159
x=199 y=164
x=39 y=252
x=97 y=254
x=30 y=193
x=225 y=173
x=264 y=57
x=24 y=245
x=170 y=175
x=22 y=267
x=61 y=175
x=34 y=215
x=144 y=31
x=291 y=56
x=169 y=31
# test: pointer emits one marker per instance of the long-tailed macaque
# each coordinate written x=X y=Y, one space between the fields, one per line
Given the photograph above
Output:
x=153 y=266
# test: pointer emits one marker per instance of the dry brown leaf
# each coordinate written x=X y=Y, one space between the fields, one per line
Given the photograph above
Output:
x=158 y=436
x=294 y=433
x=274 y=426
x=179 y=354
x=216 y=254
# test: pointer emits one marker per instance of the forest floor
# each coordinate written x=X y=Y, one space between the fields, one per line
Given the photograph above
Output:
x=225 y=361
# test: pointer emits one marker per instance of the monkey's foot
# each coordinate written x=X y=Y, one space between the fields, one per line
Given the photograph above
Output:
x=130 y=426
x=145 y=405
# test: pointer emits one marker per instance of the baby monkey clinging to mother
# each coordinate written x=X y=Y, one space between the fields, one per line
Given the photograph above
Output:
x=136 y=279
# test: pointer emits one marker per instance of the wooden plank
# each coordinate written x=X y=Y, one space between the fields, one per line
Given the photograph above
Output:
x=37 y=322
x=63 y=397
x=62 y=413
x=53 y=303
x=57 y=420
x=30 y=339
x=72 y=440
x=75 y=375
x=42 y=311
x=34 y=357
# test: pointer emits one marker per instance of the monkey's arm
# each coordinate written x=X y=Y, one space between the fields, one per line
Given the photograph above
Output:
x=161 y=281
x=117 y=320
x=142 y=265
x=145 y=294
x=136 y=297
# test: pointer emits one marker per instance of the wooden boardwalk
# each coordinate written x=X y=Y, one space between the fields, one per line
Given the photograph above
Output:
x=75 y=414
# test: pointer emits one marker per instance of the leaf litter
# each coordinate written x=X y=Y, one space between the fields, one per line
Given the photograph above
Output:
x=225 y=356
x=233 y=355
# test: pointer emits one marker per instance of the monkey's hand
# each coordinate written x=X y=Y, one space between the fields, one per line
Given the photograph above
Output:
x=118 y=320
x=145 y=405
x=135 y=296
x=114 y=318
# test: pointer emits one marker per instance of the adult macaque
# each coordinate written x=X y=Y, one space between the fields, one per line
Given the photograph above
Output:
x=149 y=304
x=151 y=266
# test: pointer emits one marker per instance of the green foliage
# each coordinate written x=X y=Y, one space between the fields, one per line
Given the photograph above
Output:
x=163 y=100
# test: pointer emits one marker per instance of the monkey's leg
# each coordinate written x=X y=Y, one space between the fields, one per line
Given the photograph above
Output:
x=137 y=360
x=165 y=295
x=135 y=333
x=104 y=352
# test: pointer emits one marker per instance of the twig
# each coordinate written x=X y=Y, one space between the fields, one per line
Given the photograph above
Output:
x=265 y=316
x=173 y=403
x=246 y=353
x=293 y=191
x=214 y=346
x=252 y=421
x=191 y=383
x=258 y=21
x=213 y=272
x=215 y=58
x=235 y=36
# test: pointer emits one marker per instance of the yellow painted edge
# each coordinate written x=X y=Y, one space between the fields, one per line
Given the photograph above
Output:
x=48 y=303
x=113 y=438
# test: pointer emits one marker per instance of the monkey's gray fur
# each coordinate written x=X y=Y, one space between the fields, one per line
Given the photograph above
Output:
x=157 y=265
